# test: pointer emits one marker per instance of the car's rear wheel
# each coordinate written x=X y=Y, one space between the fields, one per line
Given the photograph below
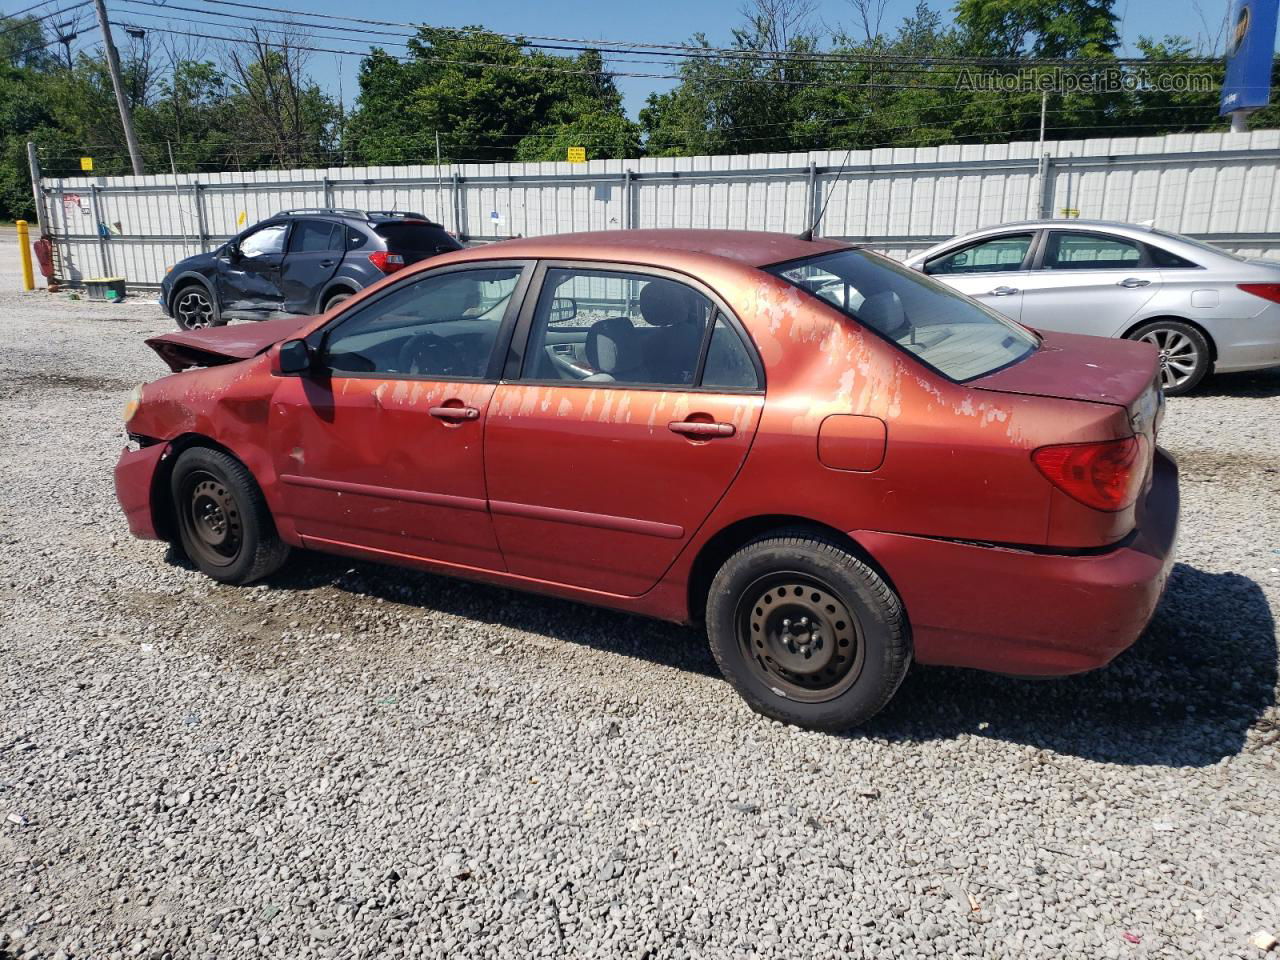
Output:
x=1184 y=354
x=336 y=299
x=224 y=525
x=194 y=308
x=807 y=632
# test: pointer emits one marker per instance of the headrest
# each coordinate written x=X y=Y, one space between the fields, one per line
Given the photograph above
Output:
x=607 y=342
x=884 y=312
x=664 y=303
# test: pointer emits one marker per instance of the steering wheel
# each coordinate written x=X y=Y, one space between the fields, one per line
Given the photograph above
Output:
x=429 y=353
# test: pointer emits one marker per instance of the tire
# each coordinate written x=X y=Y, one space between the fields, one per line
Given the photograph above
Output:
x=195 y=308
x=336 y=299
x=791 y=671
x=1184 y=354
x=223 y=523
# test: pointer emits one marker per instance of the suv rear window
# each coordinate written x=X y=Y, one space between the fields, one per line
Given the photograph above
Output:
x=954 y=335
x=416 y=237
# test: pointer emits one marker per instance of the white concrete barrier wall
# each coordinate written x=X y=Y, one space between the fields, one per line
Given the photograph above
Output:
x=1221 y=187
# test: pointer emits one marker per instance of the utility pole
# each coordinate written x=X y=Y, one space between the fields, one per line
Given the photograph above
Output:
x=113 y=64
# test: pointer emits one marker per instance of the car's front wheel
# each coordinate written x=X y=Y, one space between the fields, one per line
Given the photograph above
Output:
x=807 y=632
x=224 y=525
x=195 y=309
x=1184 y=354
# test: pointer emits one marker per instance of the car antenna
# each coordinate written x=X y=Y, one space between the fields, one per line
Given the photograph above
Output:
x=807 y=234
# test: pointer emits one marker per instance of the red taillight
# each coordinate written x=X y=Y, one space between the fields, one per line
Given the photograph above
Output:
x=386 y=262
x=1106 y=475
x=1267 y=291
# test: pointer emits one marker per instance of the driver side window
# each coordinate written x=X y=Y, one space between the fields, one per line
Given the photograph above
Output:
x=442 y=327
x=270 y=239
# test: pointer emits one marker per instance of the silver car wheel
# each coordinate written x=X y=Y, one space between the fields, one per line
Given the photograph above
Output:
x=193 y=310
x=1179 y=356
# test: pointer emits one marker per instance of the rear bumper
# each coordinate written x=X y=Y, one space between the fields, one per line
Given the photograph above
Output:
x=1251 y=343
x=135 y=476
x=1035 y=614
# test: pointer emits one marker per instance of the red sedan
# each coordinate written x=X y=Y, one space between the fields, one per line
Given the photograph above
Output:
x=836 y=463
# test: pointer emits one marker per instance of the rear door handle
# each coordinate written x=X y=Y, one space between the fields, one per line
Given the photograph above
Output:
x=1003 y=291
x=327 y=263
x=454 y=413
x=701 y=429
x=1133 y=282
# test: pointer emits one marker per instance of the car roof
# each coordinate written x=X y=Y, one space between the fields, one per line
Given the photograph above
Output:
x=660 y=247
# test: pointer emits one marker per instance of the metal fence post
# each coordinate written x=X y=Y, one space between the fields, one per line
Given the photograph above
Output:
x=1045 y=211
x=99 y=227
x=459 y=206
x=810 y=196
x=328 y=193
x=197 y=190
x=33 y=161
x=628 y=213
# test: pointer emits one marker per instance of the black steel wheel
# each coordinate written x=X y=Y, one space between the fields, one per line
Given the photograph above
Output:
x=806 y=631
x=194 y=309
x=798 y=635
x=224 y=526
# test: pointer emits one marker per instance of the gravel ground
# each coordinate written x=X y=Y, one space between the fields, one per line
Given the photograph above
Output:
x=355 y=761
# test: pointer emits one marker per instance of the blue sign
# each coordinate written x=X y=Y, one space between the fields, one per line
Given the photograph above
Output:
x=1251 y=42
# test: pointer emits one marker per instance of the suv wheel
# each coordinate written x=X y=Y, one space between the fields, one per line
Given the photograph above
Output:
x=194 y=308
x=336 y=299
x=806 y=632
x=1184 y=354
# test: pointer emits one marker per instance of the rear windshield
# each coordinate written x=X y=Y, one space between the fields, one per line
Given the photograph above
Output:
x=957 y=337
x=416 y=237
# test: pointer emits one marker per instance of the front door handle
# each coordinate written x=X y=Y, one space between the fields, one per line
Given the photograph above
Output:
x=1133 y=282
x=701 y=429
x=454 y=413
x=1004 y=291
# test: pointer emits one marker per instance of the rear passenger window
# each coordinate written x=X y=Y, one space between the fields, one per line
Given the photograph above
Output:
x=1090 y=251
x=1163 y=258
x=728 y=365
x=603 y=326
x=312 y=236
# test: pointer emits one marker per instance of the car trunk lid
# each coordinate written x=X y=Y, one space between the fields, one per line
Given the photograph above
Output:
x=1074 y=367
x=212 y=346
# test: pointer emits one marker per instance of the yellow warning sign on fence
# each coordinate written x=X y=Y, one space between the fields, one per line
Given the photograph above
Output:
x=86 y=163
x=577 y=154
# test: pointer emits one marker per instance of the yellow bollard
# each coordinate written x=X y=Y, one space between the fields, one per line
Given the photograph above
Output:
x=24 y=246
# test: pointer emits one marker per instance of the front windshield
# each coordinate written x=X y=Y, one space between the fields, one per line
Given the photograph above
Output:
x=957 y=337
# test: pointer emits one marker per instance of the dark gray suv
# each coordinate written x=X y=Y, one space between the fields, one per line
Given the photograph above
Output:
x=299 y=261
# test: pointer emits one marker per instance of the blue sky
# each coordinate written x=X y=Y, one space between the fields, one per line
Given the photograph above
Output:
x=665 y=21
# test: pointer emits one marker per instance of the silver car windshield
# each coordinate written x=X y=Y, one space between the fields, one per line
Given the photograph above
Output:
x=949 y=332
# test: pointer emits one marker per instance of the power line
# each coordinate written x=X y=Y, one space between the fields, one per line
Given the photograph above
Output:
x=783 y=54
x=31 y=21
x=533 y=68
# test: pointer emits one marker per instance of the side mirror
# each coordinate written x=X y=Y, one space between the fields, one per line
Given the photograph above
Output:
x=233 y=251
x=562 y=309
x=293 y=358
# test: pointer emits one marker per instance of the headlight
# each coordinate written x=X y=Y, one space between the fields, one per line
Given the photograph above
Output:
x=133 y=403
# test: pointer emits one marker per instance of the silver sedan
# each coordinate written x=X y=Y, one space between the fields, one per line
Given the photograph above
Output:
x=1204 y=309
